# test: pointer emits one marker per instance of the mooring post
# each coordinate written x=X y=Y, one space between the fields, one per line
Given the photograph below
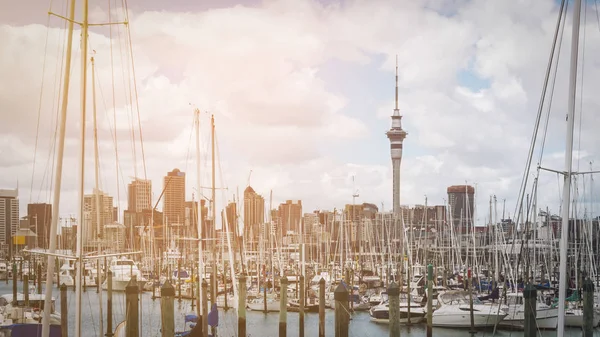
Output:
x=530 y=298
x=14 y=284
x=342 y=315
x=64 y=311
x=39 y=278
x=265 y=310
x=132 y=293
x=167 y=309
x=394 y=309
x=109 y=290
x=301 y=303
x=242 y=306
x=204 y=309
x=588 y=308
x=283 y=306
x=429 y=300
x=26 y=289
x=322 y=307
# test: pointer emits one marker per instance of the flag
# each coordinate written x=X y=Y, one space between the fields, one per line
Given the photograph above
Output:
x=213 y=316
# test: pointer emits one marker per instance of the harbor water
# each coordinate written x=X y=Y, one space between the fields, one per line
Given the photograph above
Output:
x=258 y=323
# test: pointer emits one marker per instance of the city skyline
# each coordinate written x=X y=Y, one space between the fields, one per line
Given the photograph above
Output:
x=469 y=113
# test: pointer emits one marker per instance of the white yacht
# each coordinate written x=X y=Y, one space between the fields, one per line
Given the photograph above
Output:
x=546 y=316
x=455 y=312
x=65 y=275
x=381 y=312
x=18 y=313
x=258 y=304
x=122 y=271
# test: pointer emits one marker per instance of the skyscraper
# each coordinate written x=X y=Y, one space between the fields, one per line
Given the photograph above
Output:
x=174 y=197
x=40 y=217
x=90 y=223
x=290 y=214
x=254 y=215
x=461 y=199
x=9 y=218
x=139 y=195
x=396 y=136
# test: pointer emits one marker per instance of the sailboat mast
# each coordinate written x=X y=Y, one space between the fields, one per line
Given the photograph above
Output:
x=213 y=288
x=58 y=172
x=199 y=213
x=566 y=197
x=97 y=189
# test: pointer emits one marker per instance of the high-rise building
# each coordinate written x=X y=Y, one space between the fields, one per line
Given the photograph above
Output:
x=396 y=136
x=9 y=218
x=231 y=216
x=290 y=214
x=90 y=223
x=40 y=218
x=174 y=197
x=139 y=195
x=254 y=215
x=191 y=217
x=461 y=200
x=360 y=211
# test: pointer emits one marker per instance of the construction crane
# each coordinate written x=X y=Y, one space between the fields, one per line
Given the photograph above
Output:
x=249 y=175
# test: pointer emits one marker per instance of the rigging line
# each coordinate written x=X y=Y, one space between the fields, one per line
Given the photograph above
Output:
x=59 y=82
x=128 y=101
x=597 y=16
x=581 y=86
x=137 y=105
x=538 y=116
x=114 y=104
x=55 y=100
x=119 y=169
x=553 y=85
x=39 y=116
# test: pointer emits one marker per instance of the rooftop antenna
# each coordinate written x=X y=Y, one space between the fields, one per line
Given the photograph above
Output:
x=396 y=108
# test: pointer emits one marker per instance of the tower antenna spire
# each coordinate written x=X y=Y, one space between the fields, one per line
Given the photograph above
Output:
x=396 y=108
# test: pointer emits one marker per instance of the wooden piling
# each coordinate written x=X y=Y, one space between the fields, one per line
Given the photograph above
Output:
x=14 y=284
x=204 y=309
x=58 y=285
x=588 y=308
x=301 y=302
x=429 y=300
x=394 y=309
x=283 y=283
x=530 y=299
x=154 y=279
x=178 y=281
x=242 y=306
x=470 y=290
x=167 y=309
x=26 y=289
x=342 y=315
x=64 y=311
x=39 y=278
x=192 y=286
x=322 y=307
x=265 y=298
x=109 y=288
x=132 y=293
x=225 y=286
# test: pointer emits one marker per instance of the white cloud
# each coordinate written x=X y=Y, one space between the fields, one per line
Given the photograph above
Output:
x=257 y=69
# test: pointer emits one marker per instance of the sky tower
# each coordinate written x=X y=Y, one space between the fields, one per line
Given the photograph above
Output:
x=396 y=136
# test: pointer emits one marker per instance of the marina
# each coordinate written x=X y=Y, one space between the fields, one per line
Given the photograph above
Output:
x=216 y=262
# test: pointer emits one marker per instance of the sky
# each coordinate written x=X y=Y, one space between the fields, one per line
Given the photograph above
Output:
x=302 y=92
